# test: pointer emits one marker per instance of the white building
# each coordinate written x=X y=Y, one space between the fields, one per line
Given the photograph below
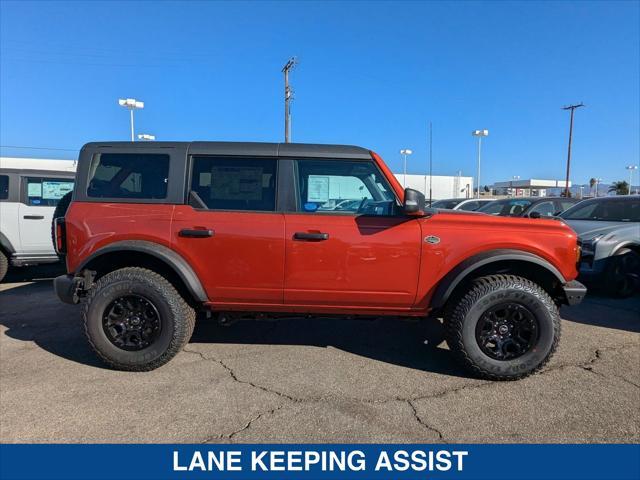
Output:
x=443 y=186
x=532 y=187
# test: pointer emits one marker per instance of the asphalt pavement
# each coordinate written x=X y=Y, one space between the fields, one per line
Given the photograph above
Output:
x=310 y=380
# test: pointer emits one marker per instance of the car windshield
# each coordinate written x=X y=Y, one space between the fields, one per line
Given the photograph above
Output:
x=507 y=207
x=447 y=204
x=609 y=210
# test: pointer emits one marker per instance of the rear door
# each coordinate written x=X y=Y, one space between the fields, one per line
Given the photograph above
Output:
x=230 y=231
x=345 y=244
x=40 y=195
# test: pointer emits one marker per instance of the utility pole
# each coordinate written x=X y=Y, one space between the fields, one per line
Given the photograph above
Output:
x=572 y=108
x=431 y=163
x=288 y=96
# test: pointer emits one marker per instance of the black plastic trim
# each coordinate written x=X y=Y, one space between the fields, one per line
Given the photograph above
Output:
x=6 y=244
x=168 y=256
x=450 y=281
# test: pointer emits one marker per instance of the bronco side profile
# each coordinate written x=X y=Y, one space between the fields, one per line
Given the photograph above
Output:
x=156 y=232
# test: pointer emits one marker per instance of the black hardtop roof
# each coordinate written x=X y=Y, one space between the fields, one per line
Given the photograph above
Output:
x=248 y=148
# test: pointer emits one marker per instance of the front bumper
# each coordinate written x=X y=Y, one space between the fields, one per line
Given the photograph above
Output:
x=574 y=292
x=66 y=287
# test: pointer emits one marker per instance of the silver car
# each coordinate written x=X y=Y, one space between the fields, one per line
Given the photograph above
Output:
x=609 y=232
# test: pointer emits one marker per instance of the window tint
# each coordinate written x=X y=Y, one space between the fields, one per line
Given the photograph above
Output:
x=4 y=187
x=470 y=206
x=128 y=175
x=545 y=209
x=446 y=204
x=564 y=204
x=47 y=192
x=235 y=183
x=614 y=210
x=339 y=186
x=511 y=207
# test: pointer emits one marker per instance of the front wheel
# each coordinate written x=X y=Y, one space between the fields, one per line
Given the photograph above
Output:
x=503 y=327
x=622 y=273
x=136 y=320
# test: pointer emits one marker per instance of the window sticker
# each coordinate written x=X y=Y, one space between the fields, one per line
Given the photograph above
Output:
x=55 y=190
x=236 y=183
x=34 y=189
x=205 y=179
x=318 y=189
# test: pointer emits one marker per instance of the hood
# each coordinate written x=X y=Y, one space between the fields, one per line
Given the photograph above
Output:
x=587 y=229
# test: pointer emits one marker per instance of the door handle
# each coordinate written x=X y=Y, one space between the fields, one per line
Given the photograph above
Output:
x=312 y=237
x=33 y=217
x=195 y=233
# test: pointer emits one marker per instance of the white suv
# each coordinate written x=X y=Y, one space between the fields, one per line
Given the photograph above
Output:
x=29 y=192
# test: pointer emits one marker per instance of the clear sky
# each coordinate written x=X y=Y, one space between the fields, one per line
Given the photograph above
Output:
x=370 y=73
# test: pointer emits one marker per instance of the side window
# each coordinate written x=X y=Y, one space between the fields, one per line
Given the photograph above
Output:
x=564 y=205
x=342 y=186
x=128 y=175
x=545 y=209
x=235 y=183
x=46 y=192
x=470 y=206
x=4 y=187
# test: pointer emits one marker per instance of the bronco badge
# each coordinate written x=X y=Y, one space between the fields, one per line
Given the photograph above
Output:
x=432 y=239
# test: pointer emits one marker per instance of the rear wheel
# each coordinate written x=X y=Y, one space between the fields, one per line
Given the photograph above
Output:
x=4 y=265
x=503 y=327
x=622 y=273
x=136 y=320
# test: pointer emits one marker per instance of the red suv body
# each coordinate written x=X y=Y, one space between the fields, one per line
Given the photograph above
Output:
x=287 y=229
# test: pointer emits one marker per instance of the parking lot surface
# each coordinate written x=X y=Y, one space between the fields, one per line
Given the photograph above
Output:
x=310 y=380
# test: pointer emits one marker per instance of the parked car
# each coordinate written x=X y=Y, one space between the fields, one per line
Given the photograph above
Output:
x=157 y=231
x=532 y=207
x=609 y=232
x=467 y=204
x=30 y=189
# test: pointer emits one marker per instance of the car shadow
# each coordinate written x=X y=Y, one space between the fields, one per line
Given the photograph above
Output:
x=602 y=311
x=31 y=312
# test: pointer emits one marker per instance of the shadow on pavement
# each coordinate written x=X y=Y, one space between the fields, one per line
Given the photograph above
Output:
x=32 y=312
x=602 y=311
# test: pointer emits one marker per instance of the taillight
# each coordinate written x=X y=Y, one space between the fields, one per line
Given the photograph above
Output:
x=60 y=231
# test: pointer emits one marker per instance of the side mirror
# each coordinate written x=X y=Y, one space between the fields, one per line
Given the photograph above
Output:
x=414 y=202
x=534 y=215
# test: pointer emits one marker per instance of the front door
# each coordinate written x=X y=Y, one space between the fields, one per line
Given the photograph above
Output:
x=346 y=245
x=230 y=232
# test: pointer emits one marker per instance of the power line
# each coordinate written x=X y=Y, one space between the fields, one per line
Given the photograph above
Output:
x=41 y=148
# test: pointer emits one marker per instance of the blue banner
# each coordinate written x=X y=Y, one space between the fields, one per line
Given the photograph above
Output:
x=308 y=461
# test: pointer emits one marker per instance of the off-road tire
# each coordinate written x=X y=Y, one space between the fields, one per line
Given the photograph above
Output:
x=176 y=316
x=4 y=265
x=462 y=316
x=622 y=274
x=59 y=212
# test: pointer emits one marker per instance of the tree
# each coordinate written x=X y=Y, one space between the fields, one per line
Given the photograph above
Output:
x=592 y=183
x=620 y=188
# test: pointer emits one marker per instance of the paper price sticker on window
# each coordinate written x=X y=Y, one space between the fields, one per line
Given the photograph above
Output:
x=318 y=189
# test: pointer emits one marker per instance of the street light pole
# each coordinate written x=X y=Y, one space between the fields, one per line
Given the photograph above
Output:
x=404 y=152
x=572 y=108
x=479 y=134
x=631 y=168
x=431 y=163
x=131 y=104
x=598 y=180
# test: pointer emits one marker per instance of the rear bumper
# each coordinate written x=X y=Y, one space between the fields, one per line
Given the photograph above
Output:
x=66 y=287
x=574 y=292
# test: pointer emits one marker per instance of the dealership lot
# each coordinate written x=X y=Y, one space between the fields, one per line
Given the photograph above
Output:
x=303 y=380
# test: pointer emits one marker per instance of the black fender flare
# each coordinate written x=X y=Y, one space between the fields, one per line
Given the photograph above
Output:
x=451 y=280
x=166 y=255
x=6 y=244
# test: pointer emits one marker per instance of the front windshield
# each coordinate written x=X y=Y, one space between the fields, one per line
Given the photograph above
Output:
x=614 y=210
x=507 y=207
x=446 y=204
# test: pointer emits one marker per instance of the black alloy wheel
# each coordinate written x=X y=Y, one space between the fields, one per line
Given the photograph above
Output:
x=131 y=322
x=507 y=331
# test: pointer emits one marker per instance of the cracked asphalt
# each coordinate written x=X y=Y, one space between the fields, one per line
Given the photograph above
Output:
x=302 y=380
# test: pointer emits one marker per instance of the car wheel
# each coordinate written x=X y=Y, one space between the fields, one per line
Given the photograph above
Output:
x=136 y=320
x=4 y=265
x=59 y=212
x=622 y=273
x=503 y=327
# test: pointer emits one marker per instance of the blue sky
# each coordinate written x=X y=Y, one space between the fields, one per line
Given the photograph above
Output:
x=370 y=73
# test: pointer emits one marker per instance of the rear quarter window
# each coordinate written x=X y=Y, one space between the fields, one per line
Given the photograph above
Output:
x=4 y=187
x=128 y=175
